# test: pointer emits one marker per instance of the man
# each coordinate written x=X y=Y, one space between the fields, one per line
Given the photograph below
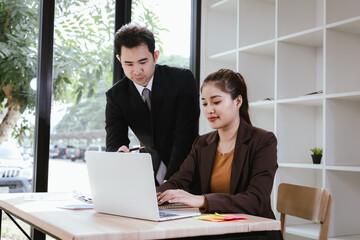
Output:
x=159 y=103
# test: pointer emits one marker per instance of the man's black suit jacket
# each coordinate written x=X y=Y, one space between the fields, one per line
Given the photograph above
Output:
x=168 y=131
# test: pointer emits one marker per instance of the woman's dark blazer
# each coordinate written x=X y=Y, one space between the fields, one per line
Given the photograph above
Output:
x=252 y=175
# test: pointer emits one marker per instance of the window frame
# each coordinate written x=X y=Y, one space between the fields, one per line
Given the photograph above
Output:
x=44 y=77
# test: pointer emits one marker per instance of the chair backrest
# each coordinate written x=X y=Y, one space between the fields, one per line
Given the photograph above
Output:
x=305 y=202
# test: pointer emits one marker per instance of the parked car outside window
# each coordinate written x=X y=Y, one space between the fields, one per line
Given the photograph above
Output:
x=15 y=172
x=56 y=151
x=96 y=148
x=74 y=153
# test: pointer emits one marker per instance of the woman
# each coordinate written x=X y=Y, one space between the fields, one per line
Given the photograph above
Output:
x=230 y=170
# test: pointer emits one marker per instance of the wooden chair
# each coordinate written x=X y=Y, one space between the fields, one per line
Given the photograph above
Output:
x=309 y=203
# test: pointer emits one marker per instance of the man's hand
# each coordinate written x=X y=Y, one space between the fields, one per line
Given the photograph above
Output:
x=123 y=148
x=181 y=196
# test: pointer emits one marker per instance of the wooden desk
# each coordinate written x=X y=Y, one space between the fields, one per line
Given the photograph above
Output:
x=45 y=215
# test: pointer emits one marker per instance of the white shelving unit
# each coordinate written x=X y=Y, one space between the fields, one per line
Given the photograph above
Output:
x=287 y=49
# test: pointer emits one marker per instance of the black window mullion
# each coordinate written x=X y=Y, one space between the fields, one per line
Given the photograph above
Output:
x=122 y=17
x=43 y=95
x=195 y=39
x=43 y=100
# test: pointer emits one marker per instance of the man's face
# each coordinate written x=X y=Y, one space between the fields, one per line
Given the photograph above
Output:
x=138 y=63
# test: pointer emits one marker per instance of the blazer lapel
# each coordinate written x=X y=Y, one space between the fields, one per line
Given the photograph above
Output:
x=159 y=90
x=239 y=155
x=157 y=94
x=207 y=161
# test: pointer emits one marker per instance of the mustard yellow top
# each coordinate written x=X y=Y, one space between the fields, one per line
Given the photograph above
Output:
x=220 y=177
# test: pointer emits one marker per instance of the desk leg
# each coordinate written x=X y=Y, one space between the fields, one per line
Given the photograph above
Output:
x=0 y=221
x=15 y=222
x=36 y=234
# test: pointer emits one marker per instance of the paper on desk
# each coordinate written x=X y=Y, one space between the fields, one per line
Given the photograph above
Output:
x=219 y=218
x=77 y=206
x=45 y=196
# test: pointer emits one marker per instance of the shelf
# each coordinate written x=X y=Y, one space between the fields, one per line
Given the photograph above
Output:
x=300 y=176
x=263 y=117
x=300 y=127
x=349 y=237
x=229 y=56
x=219 y=16
x=224 y=6
x=298 y=15
x=301 y=165
x=352 y=96
x=265 y=104
x=340 y=10
x=343 y=61
x=345 y=189
x=312 y=37
x=348 y=26
x=343 y=168
x=256 y=21
x=304 y=57
x=260 y=84
x=213 y=65
x=309 y=100
x=300 y=69
x=342 y=132
x=305 y=230
x=262 y=48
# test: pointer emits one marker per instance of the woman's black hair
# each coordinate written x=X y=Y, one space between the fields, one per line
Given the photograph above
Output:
x=233 y=83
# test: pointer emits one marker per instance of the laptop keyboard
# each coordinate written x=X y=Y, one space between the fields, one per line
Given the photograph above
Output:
x=173 y=206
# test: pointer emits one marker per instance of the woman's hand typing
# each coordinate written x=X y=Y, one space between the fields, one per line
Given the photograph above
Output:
x=181 y=196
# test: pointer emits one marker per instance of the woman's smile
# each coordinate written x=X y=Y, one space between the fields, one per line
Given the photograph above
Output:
x=212 y=119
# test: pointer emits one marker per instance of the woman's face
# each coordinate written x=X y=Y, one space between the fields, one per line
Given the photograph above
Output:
x=219 y=108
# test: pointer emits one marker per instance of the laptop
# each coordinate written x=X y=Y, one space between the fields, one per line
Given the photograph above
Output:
x=123 y=184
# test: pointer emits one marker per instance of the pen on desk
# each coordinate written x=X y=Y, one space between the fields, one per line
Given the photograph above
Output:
x=137 y=148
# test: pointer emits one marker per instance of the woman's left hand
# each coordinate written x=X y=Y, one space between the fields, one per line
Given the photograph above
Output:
x=181 y=196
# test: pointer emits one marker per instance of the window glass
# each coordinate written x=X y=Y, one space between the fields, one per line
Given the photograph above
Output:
x=171 y=29
x=18 y=60
x=170 y=21
x=82 y=72
x=18 y=57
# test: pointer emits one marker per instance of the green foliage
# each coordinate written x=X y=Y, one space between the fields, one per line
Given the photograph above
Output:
x=83 y=55
x=83 y=49
x=80 y=117
x=316 y=151
x=18 y=55
x=174 y=61
x=23 y=131
x=89 y=114
x=146 y=17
